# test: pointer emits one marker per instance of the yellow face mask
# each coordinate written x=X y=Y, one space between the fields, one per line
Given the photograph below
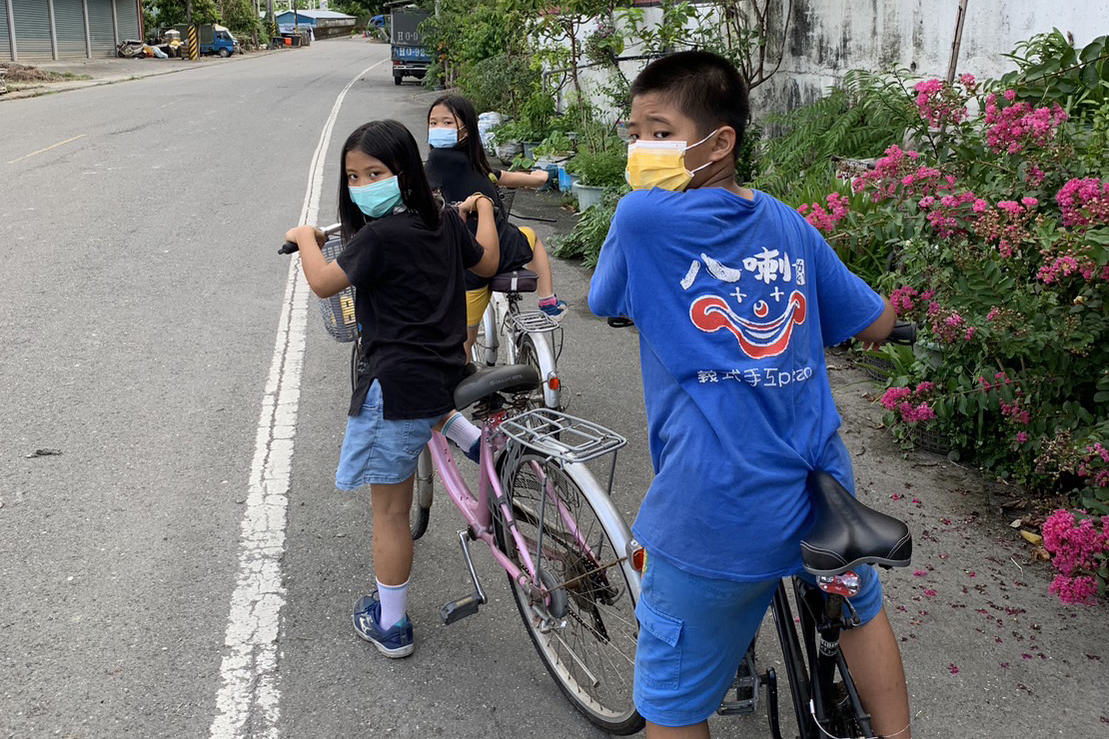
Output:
x=660 y=164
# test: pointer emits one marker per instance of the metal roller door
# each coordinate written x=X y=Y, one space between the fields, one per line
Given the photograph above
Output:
x=32 y=29
x=69 y=25
x=5 y=44
x=127 y=20
x=102 y=28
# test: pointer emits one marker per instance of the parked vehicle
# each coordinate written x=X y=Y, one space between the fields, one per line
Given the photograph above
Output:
x=212 y=38
x=410 y=58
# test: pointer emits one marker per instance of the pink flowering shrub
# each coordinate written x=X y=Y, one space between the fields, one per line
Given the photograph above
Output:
x=994 y=216
x=987 y=224
x=1080 y=549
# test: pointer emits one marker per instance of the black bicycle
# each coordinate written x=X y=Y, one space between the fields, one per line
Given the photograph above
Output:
x=847 y=535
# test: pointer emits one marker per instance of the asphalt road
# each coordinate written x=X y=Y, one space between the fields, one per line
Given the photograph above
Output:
x=140 y=304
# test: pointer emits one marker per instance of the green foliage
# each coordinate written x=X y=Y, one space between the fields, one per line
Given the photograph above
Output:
x=239 y=16
x=993 y=235
x=1050 y=70
x=604 y=168
x=509 y=85
x=858 y=118
x=589 y=234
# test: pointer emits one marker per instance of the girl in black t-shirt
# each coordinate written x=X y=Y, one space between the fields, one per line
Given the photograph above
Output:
x=457 y=167
x=406 y=258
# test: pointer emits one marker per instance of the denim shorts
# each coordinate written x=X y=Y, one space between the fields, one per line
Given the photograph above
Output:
x=380 y=451
x=693 y=632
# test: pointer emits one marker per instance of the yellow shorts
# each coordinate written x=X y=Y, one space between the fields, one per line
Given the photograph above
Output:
x=478 y=300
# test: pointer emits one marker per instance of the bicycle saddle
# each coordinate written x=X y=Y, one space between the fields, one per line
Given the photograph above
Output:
x=847 y=533
x=514 y=281
x=481 y=383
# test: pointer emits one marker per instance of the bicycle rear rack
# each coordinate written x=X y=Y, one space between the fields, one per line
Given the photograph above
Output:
x=532 y=322
x=560 y=436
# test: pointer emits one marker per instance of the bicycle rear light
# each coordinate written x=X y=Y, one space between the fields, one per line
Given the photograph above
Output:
x=553 y=382
x=637 y=555
x=846 y=584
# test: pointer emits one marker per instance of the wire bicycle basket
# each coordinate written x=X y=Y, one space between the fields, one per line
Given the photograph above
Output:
x=338 y=310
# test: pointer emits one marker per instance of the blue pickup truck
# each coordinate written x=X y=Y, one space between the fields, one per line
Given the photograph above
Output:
x=410 y=57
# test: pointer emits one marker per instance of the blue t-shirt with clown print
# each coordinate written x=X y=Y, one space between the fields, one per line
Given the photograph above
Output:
x=734 y=300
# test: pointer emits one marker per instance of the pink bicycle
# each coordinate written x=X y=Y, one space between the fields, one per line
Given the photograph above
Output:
x=551 y=526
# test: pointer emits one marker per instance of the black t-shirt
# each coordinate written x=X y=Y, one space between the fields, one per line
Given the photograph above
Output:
x=449 y=171
x=410 y=303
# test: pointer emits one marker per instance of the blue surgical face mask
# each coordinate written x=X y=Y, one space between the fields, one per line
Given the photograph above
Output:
x=377 y=198
x=442 y=138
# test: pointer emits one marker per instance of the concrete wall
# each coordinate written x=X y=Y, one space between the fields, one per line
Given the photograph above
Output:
x=826 y=38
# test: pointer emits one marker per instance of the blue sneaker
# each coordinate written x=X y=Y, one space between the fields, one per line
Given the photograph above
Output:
x=555 y=312
x=394 y=642
x=474 y=452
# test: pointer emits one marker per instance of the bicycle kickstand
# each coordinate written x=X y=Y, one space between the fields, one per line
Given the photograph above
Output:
x=459 y=609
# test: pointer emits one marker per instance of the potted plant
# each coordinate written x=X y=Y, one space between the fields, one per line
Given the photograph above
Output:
x=551 y=155
x=597 y=172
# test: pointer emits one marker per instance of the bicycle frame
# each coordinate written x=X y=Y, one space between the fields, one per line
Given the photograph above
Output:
x=477 y=510
x=811 y=687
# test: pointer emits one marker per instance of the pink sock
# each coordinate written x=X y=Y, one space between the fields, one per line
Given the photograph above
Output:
x=553 y=300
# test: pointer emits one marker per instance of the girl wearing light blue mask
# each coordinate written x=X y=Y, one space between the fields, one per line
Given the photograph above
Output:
x=457 y=166
x=406 y=259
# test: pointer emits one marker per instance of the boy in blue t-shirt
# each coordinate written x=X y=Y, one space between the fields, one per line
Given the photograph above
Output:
x=735 y=297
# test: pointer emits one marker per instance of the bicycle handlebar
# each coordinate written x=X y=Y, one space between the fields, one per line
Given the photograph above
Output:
x=904 y=332
x=289 y=247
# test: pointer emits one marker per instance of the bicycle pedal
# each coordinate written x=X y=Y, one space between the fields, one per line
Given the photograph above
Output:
x=747 y=689
x=459 y=609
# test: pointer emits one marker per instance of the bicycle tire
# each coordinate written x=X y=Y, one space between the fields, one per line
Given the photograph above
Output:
x=592 y=657
x=527 y=354
x=420 y=513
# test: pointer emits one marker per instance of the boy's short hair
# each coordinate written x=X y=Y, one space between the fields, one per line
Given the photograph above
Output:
x=705 y=87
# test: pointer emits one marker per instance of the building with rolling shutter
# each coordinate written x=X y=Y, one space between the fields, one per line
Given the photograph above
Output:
x=66 y=29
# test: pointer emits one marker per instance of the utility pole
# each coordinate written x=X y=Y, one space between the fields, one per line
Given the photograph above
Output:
x=194 y=48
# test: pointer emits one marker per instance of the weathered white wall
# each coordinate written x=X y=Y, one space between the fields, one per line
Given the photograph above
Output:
x=826 y=38
x=829 y=37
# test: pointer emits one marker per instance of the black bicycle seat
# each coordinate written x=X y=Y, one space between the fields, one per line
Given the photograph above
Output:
x=514 y=281
x=847 y=533
x=509 y=378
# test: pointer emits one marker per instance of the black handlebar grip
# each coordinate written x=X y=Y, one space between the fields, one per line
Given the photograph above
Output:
x=620 y=322
x=904 y=332
x=288 y=248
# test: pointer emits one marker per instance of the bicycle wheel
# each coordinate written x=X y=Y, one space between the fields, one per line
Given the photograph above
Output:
x=590 y=649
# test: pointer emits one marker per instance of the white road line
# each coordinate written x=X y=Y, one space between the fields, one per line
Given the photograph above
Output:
x=249 y=698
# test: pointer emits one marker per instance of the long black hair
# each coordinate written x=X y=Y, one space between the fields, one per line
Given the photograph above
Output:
x=466 y=117
x=393 y=145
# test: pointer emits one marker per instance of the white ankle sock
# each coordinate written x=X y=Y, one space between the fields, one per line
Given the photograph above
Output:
x=394 y=603
x=459 y=430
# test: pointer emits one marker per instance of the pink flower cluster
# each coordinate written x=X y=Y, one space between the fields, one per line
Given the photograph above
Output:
x=1077 y=546
x=902 y=299
x=1015 y=413
x=1066 y=265
x=939 y=103
x=896 y=169
x=1006 y=224
x=900 y=400
x=822 y=219
x=1000 y=377
x=949 y=326
x=1096 y=465
x=1084 y=202
x=1015 y=127
x=944 y=211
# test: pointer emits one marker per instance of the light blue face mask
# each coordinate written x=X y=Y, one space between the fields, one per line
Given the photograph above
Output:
x=377 y=198
x=442 y=138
